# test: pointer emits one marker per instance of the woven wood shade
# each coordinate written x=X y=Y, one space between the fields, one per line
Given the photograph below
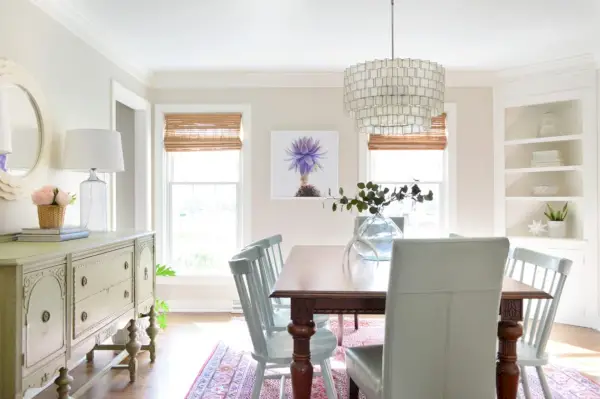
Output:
x=433 y=140
x=202 y=132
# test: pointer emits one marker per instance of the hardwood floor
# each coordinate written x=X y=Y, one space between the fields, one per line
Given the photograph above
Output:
x=184 y=347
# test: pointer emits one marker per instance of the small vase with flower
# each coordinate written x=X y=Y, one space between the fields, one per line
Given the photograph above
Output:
x=51 y=204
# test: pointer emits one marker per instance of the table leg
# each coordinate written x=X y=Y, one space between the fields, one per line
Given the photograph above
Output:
x=302 y=327
x=509 y=332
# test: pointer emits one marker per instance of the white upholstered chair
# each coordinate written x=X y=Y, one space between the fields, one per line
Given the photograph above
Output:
x=441 y=322
x=548 y=273
x=273 y=349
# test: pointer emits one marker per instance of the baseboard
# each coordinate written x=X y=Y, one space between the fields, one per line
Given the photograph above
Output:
x=203 y=306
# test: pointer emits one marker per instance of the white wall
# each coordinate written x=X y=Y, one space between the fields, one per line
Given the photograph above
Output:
x=305 y=221
x=75 y=80
x=125 y=181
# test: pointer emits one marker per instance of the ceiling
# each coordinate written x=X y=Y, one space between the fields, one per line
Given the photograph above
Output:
x=160 y=35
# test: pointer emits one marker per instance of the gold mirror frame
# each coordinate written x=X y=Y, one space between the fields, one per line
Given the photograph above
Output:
x=13 y=187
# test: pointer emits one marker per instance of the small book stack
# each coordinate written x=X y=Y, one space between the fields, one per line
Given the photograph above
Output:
x=546 y=158
x=65 y=233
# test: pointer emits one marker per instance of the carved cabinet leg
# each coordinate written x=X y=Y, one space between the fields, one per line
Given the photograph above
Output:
x=90 y=356
x=133 y=347
x=63 y=381
x=152 y=332
x=302 y=327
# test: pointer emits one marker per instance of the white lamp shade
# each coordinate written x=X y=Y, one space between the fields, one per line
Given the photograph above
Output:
x=5 y=132
x=98 y=149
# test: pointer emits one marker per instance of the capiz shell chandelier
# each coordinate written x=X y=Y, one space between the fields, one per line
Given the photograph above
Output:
x=394 y=96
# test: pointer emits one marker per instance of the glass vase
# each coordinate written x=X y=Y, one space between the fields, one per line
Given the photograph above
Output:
x=379 y=232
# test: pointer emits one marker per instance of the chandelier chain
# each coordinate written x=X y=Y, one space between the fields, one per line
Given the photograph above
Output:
x=392 y=29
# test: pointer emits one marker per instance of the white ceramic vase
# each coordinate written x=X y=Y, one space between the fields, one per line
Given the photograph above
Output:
x=557 y=229
x=548 y=125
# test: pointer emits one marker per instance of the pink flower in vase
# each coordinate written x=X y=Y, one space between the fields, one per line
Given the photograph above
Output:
x=62 y=198
x=43 y=197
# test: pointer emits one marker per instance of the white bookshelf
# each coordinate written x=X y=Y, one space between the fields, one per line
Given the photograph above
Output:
x=520 y=102
x=523 y=136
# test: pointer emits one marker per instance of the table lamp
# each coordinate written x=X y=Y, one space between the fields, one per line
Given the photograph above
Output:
x=5 y=131
x=96 y=151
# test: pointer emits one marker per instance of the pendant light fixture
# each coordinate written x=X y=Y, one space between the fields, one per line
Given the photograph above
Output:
x=394 y=96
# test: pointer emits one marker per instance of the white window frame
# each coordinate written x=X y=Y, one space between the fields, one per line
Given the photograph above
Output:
x=215 y=292
x=448 y=204
x=169 y=209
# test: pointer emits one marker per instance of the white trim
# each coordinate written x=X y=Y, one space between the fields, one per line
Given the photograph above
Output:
x=326 y=78
x=451 y=110
x=160 y=180
x=63 y=12
x=142 y=155
x=450 y=211
x=570 y=64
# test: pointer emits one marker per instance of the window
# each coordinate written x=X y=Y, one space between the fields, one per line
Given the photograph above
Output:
x=403 y=160
x=203 y=198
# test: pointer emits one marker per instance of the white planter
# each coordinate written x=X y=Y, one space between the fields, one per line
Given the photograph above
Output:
x=557 y=229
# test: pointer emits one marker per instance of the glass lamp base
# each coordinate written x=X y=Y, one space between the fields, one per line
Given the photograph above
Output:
x=93 y=203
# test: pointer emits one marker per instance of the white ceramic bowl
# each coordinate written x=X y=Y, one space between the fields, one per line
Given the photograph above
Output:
x=544 y=191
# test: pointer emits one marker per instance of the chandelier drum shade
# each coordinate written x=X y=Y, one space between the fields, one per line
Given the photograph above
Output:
x=394 y=96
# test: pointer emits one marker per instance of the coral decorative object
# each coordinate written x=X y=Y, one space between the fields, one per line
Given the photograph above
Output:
x=51 y=203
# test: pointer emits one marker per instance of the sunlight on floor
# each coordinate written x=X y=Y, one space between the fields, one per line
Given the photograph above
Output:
x=585 y=360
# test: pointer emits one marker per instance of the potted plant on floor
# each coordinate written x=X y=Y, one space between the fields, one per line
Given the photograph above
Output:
x=557 y=227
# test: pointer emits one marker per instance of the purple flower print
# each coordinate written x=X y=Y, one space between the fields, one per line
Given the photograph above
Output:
x=3 y=162
x=305 y=154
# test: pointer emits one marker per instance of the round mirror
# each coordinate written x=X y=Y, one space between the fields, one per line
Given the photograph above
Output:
x=21 y=122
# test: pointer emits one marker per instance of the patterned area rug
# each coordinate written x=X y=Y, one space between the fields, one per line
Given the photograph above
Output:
x=229 y=372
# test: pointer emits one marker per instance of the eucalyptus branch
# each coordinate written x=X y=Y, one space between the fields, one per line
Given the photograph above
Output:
x=374 y=198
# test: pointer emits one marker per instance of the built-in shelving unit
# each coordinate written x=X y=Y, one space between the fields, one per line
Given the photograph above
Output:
x=543 y=164
x=546 y=152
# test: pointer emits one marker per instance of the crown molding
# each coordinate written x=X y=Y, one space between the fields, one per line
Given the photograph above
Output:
x=67 y=16
x=287 y=79
x=570 y=64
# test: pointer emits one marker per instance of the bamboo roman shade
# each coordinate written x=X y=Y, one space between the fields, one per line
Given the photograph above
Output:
x=432 y=140
x=202 y=132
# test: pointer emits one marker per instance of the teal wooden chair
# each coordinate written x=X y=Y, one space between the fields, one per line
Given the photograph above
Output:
x=270 y=266
x=547 y=273
x=274 y=349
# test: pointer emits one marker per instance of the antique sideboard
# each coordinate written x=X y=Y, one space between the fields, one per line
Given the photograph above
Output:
x=59 y=302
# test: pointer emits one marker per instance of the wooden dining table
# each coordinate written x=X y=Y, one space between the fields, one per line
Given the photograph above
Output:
x=317 y=281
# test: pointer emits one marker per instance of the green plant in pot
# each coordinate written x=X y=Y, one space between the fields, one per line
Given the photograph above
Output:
x=161 y=307
x=378 y=230
x=557 y=227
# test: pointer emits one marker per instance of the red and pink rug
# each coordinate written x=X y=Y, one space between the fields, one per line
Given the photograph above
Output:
x=229 y=372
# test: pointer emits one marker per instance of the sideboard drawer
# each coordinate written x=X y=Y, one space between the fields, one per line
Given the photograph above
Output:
x=96 y=308
x=94 y=274
x=45 y=309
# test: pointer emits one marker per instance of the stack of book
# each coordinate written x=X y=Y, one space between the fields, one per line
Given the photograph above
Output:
x=546 y=158
x=65 y=233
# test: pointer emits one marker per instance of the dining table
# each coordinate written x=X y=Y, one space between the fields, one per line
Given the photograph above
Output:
x=318 y=281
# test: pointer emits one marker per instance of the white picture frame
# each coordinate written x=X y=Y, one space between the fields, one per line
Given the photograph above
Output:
x=292 y=154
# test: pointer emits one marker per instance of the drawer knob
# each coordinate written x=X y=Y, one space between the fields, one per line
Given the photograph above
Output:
x=126 y=294
x=84 y=281
x=84 y=316
x=126 y=265
x=45 y=316
x=44 y=378
x=145 y=273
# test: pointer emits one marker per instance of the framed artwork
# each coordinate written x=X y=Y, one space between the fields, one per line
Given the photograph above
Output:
x=304 y=164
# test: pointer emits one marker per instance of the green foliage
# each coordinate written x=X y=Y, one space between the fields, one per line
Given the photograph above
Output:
x=374 y=198
x=161 y=307
x=557 y=215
